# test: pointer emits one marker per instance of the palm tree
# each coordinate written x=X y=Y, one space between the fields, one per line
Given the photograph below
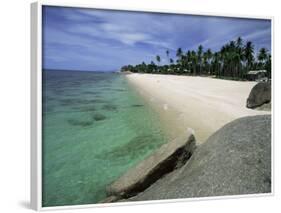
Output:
x=249 y=54
x=205 y=61
x=167 y=53
x=189 y=60
x=216 y=64
x=223 y=54
x=184 y=61
x=158 y=59
x=171 y=61
x=268 y=65
x=179 y=53
x=239 y=42
x=152 y=66
x=262 y=56
x=232 y=58
x=209 y=56
x=179 y=56
x=236 y=62
x=239 y=47
x=199 y=56
x=194 y=61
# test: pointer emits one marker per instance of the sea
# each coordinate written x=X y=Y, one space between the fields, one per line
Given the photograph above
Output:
x=95 y=127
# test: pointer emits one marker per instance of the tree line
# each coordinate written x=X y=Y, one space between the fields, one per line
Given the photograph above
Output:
x=233 y=60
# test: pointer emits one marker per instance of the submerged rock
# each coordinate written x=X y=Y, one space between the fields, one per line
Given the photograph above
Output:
x=99 y=117
x=235 y=160
x=167 y=158
x=80 y=123
x=259 y=95
x=134 y=148
x=85 y=108
x=109 y=107
x=137 y=105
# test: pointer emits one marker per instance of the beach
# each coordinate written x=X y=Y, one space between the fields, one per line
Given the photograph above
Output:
x=200 y=104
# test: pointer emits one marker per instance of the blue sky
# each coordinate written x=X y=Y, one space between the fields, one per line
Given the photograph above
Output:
x=103 y=40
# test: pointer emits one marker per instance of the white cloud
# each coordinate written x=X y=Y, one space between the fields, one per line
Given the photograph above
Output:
x=258 y=34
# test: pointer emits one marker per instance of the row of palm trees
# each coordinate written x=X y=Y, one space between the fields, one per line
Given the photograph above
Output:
x=233 y=60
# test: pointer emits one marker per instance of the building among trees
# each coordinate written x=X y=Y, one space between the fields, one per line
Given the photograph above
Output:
x=257 y=75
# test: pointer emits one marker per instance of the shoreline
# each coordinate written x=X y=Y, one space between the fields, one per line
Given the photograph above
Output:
x=168 y=116
x=190 y=103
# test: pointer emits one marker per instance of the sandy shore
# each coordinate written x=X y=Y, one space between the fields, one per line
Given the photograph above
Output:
x=200 y=103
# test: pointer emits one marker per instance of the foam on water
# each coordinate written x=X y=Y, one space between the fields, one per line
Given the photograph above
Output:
x=95 y=127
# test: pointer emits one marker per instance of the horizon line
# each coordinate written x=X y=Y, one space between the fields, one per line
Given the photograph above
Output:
x=74 y=70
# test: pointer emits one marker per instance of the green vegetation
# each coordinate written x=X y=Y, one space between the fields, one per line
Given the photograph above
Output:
x=232 y=61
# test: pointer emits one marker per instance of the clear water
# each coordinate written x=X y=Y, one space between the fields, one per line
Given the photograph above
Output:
x=95 y=127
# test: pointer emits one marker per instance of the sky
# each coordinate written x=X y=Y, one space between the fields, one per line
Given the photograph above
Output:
x=105 y=40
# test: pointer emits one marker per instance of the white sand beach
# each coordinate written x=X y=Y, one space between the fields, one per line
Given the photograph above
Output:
x=202 y=104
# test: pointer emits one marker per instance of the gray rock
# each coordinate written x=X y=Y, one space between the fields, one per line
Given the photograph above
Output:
x=259 y=95
x=110 y=199
x=264 y=107
x=167 y=158
x=233 y=161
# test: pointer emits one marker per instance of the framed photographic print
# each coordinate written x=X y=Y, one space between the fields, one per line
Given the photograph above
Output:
x=133 y=106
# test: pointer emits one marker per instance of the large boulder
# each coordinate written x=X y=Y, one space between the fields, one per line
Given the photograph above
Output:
x=233 y=161
x=259 y=95
x=167 y=158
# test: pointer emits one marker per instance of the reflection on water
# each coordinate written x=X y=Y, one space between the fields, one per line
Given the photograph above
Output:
x=94 y=128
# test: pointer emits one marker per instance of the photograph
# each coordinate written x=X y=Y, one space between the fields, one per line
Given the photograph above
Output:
x=153 y=106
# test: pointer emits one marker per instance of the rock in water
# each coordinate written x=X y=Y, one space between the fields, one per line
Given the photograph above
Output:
x=167 y=158
x=259 y=95
x=110 y=199
x=233 y=161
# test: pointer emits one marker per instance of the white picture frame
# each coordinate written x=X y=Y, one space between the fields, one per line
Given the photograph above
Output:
x=36 y=102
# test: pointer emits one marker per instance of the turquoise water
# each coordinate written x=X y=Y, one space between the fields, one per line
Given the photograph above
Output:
x=95 y=127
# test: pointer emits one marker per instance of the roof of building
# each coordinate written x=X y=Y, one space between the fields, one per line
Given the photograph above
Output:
x=254 y=72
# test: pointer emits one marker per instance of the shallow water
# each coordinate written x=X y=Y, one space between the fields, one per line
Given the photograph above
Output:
x=95 y=127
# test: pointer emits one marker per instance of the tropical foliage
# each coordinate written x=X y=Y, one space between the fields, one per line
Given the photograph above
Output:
x=233 y=60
